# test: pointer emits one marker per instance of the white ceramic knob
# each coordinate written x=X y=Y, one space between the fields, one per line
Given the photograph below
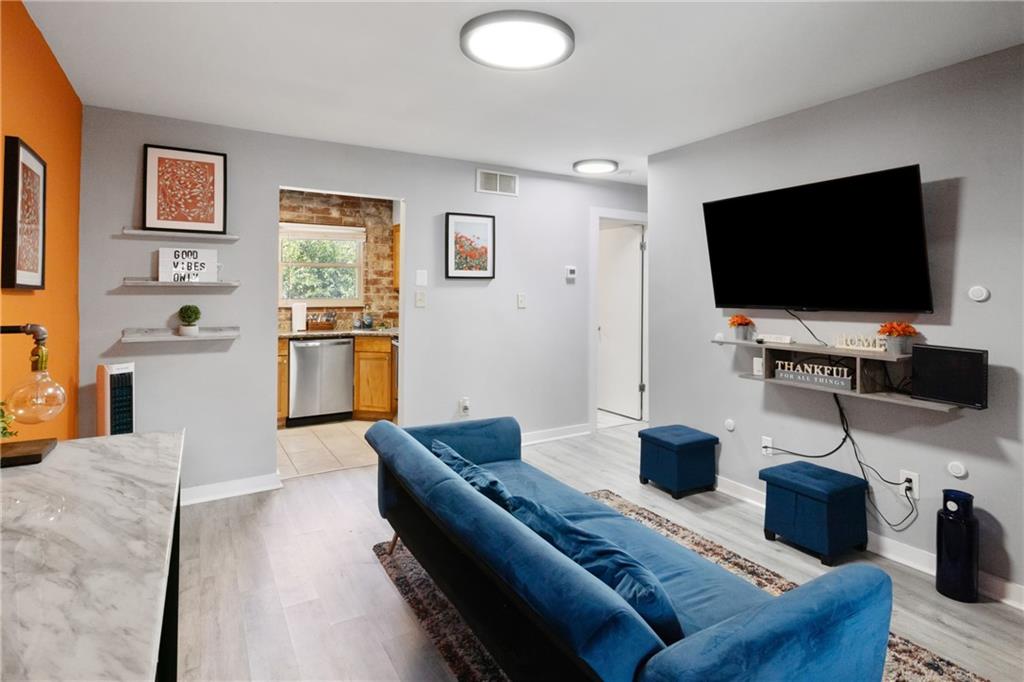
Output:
x=956 y=469
x=730 y=425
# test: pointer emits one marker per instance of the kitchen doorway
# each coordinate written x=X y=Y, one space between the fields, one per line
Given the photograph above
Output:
x=337 y=304
x=621 y=276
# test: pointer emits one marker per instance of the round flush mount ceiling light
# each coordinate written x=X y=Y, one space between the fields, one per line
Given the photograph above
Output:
x=517 y=40
x=596 y=166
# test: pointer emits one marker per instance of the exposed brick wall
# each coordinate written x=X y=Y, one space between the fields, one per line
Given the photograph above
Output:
x=378 y=269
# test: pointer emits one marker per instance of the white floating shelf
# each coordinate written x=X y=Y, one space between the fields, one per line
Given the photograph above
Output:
x=818 y=348
x=165 y=334
x=168 y=235
x=149 y=282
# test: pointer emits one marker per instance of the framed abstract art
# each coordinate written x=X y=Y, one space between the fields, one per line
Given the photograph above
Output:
x=24 y=218
x=469 y=246
x=184 y=190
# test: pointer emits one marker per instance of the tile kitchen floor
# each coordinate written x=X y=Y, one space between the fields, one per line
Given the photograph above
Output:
x=325 y=447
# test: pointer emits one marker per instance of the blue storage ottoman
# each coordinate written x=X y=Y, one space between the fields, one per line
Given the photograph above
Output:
x=816 y=508
x=677 y=458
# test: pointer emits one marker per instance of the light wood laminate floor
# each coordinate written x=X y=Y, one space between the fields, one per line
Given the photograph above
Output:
x=283 y=585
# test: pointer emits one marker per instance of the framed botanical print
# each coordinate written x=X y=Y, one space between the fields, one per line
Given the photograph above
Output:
x=184 y=190
x=469 y=246
x=24 y=219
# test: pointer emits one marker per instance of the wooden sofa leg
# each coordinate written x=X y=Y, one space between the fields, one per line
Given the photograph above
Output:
x=394 y=543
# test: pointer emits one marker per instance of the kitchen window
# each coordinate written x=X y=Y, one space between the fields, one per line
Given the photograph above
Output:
x=320 y=265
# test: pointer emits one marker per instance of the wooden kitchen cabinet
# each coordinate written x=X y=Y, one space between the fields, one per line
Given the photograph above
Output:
x=372 y=359
x=282 y=381
x=396 y=253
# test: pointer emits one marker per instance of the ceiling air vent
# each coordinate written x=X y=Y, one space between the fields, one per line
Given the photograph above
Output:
x=495 y=182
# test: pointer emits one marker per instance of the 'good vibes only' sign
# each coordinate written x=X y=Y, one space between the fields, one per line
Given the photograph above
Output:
x=188 y=265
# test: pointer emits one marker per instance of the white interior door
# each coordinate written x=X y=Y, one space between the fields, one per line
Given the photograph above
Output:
x=620 y=319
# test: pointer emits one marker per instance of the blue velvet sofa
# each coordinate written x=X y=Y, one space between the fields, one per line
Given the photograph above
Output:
x=544 y=617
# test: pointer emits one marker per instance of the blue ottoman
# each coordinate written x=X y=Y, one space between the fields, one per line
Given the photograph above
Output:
x=816 y=508
x=677 y=458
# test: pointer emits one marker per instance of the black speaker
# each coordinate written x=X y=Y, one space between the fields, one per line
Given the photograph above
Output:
x=958 y=376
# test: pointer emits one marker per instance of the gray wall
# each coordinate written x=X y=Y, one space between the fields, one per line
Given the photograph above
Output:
x=470 y=340
x=963 y=124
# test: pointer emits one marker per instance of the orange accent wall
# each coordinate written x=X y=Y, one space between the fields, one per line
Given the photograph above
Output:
x=39 y=105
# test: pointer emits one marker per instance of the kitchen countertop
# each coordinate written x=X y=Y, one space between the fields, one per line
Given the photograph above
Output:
x=85 y=541
x=337 y=333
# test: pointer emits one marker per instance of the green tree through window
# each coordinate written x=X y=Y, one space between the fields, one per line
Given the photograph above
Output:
x=320 y=268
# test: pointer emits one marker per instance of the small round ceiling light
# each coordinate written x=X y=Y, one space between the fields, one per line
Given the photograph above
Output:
x=517 y=40
x=596 y=166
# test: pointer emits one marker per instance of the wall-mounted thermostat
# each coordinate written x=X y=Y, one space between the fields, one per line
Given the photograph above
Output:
x=570 y=274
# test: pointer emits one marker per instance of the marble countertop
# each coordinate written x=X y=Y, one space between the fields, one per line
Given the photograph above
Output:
x=85 y=542
x=337 y=333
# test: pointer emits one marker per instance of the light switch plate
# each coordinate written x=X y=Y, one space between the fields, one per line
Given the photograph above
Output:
x=520 y=300
x=421 y=278
x=421 y=299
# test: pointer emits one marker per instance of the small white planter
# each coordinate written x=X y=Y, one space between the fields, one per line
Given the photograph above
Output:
x=900 y=345
x=744 y=332
x=188 y=330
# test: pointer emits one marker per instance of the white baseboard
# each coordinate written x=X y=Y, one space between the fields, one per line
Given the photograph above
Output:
x=545 y=435
x=232 y=488
x=922 y=560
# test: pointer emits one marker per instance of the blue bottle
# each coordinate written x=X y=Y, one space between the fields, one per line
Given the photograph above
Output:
x=956 y=547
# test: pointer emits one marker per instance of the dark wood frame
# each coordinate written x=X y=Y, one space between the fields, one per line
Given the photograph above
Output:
x=145 y=189
x=12 y=186
x=447 y=245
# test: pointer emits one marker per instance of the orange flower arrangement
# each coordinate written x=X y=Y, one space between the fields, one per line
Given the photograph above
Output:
x=740 y=321
x=897 y=329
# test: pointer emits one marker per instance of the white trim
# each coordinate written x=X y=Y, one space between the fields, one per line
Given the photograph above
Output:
x=233 y=488
x=593 y=234
x=991 y=586
x=545 y=435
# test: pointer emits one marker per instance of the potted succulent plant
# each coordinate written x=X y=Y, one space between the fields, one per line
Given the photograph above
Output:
x=898 y=336
x=5 y=422
x=189 y=316
x=742 y=326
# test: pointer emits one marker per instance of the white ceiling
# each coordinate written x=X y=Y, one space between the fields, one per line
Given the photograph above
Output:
x=644 y=78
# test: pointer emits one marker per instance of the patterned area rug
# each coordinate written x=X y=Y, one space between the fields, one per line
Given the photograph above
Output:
x=469 y=660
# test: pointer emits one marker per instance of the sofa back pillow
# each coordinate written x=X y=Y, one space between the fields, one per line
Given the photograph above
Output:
x=478 y=477
x=605 y=560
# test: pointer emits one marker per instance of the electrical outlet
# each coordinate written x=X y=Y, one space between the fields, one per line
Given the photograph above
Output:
x=766 y=446
x=421 y=299
x=520 y=301
x=464 y=406
x=915 y=483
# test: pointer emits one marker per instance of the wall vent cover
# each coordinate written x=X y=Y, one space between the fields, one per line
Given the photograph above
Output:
x=496 y=182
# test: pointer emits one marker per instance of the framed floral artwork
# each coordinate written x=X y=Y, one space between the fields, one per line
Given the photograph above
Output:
x=24 y=220
x=184 y=190
x=469 y=246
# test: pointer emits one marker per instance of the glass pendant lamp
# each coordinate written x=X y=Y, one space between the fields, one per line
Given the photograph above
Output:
x=37 y=399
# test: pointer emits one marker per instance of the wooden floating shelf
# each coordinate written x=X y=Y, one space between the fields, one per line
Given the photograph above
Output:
x=165 y=334
x=867 y=374
x=148 y=282
x=168 y=235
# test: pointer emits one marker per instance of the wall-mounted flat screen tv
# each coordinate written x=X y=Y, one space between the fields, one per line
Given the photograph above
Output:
x=851 y=244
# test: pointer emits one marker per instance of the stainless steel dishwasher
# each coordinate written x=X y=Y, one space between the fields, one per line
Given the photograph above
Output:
x=320 y=377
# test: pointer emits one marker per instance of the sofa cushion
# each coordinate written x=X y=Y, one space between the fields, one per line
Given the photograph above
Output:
x=478 y=477
x=702 y=593
x=603 y=559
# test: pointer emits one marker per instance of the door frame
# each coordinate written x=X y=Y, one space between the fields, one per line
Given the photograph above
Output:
x=594 y=234
x=404 y=299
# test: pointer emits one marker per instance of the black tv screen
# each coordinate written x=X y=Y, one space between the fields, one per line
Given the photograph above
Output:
x=852 y=244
